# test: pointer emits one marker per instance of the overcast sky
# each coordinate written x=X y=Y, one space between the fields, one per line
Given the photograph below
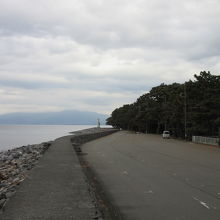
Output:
x=97 y=55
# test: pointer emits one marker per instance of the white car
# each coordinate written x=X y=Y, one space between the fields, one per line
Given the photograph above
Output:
x=166 y=134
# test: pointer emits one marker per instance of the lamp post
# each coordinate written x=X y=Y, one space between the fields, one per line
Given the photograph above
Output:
x=98 y=123
x=185 y=118
x=165 y=124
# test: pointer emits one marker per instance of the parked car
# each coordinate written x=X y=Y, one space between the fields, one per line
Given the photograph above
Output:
x=166 y=134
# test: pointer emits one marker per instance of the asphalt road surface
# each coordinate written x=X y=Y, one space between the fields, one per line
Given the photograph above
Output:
x=151 y=178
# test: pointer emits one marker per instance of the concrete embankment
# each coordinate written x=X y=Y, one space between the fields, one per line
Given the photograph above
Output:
x=56 y=188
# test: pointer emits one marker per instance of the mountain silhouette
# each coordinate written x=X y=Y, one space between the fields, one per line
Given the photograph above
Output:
x=68 y=117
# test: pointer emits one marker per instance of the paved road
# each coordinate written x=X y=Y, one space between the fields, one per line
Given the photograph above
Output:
x=151 y=178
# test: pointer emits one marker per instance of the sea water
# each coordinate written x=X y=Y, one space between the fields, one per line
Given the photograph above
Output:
x=12 y=136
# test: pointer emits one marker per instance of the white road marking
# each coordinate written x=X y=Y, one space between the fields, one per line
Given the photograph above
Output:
x=202 y=203
x=125 y=172
x=149 y=192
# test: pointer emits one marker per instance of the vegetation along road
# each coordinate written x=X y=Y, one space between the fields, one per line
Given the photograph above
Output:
x=147 y=177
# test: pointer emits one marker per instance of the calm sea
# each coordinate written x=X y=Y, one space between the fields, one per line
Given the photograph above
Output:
x=12 y=136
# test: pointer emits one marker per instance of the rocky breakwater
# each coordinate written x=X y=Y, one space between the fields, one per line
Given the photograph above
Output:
x=14 y=165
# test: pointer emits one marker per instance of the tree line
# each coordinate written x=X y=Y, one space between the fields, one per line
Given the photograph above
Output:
x=191 y=108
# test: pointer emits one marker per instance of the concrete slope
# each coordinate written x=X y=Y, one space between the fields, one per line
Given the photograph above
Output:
x=147 y=177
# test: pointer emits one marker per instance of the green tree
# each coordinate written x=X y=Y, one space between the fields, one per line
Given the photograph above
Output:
x=163 y=108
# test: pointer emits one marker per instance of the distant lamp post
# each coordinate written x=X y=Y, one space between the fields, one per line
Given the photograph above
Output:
x=165 y=102
x=146 y=127
x=98 y=123
x=185 y=118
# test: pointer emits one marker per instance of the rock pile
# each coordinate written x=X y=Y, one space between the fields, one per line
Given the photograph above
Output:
x=13 y=167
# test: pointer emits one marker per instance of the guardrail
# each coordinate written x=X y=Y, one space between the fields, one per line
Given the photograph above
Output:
x=205 y=140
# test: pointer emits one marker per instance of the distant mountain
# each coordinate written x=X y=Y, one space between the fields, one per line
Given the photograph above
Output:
x=69 y=117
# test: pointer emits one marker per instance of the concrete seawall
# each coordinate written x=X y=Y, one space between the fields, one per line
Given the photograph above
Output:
x=89 y=135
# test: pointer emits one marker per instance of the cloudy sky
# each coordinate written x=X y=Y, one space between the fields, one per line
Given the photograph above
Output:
x=97 y=55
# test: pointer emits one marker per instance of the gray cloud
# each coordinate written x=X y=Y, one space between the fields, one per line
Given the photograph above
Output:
x=98 y=51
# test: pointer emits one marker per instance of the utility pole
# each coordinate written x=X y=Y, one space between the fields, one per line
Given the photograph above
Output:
x=185 y=118
x=219 y=136
x=146 y=127
x=165 y=126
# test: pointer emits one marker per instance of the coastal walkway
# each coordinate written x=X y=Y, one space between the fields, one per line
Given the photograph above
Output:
x=55 y=189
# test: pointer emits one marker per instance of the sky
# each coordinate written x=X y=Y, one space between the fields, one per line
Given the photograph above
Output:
x=96 y=55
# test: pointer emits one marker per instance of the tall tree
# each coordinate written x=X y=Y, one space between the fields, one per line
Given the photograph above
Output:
x=194 y=105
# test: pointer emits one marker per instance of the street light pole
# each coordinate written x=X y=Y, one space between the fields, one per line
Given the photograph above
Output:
x=185 y=110
x=165 y=97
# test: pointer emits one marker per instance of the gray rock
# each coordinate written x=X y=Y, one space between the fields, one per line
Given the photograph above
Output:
x=10 y=157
